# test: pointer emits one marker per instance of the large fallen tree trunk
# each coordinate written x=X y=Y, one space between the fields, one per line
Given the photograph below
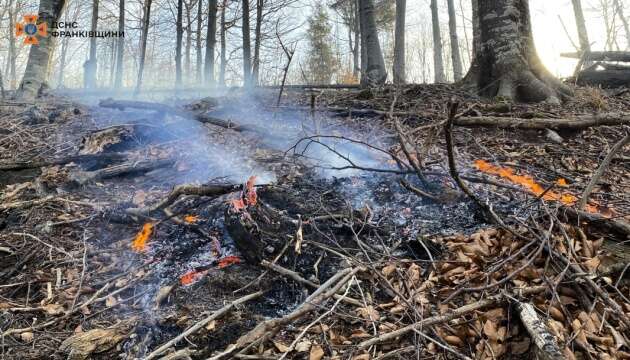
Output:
x=623 y=56
x=140 y=167
x=93 y=161
x=578 y=122
x=606 y=78
x=165 y=109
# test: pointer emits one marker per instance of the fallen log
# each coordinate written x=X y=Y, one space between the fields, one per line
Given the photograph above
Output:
x=609 y=78
x=92 y=161
x=141 y=167
x=576 y=123
x=623 y=56
x=165 y=109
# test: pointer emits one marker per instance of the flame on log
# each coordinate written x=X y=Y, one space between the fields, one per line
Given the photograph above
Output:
x=191 y=219
x=192 y=277
x=140 y=241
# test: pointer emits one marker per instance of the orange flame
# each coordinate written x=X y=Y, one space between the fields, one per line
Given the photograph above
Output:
x=229 y=260
x=192 y=277
x=530 y=184
x=191 y=219
x=140 y=242
x=250 y=191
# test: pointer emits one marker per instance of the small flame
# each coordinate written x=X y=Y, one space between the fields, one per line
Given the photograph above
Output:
x=530 y=184
x=140 y=242
x=192 y=277
x=237 y=204
x=191 y=219
x=229 y=260
x=250 y=192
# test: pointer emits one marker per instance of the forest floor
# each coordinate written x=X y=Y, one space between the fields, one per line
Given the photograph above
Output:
x=341 y=224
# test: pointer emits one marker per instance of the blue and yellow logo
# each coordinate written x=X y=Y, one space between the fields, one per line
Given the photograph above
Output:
x=31 y=30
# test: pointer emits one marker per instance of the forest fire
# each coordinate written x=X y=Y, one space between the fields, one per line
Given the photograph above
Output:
x=192 y=277
x=191 y=219
x=530 y=184
x=142 y=238
x=247 y=197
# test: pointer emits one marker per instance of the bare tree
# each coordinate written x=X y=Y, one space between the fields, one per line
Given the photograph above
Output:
x=438 y=62
x=39 y=56
x=188 y=28
x=146 y=20
x=178 y=47
x=224 y=27
x=624 y=21
x=505 y=62
x=585 y=45
x=120 y=46
x=399 y=43
x=91 y=64
x=455 y=55
x=247 y=51
x=198 y=43
x=211 y=40
x=12 y=11
x=374 y=68
x=258 y=40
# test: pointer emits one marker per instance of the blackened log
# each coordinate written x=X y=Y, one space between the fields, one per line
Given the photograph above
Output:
x=605 y=78
x=135 y=168
x=89 y=161
x=623 y=56
x=246 y=235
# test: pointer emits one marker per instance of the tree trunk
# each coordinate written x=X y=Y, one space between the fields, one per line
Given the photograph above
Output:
x=455 y=55
x=39 y=56
x=179 y=29
x=375 y=73
x=146 y=19
x=438 y=62
x=62 y=63
x=357 y=41
x=120 y=46
x=223 y=45
x=211 y=40
x=399 y=43
x=257 y=32
x=362 y=39
x=585 y=45
x=187 y=62
x=12 y=52
x=247 y=51
x=91 y=65
x=198 y=44
x=506 y=63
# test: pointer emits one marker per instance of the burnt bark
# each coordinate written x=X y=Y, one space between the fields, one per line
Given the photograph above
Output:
x=211 y=40
x=506 y=63
x=257 y=43
x=374 y=70
x=198 y=42
x=223 y=45
x=39 y=56
x=399 y=43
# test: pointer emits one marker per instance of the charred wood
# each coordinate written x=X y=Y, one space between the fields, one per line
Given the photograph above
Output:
x=91 y=161
x=577 y=123
x=140 y=167
x=606 y=78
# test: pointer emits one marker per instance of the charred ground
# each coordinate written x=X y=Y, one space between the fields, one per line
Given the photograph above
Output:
x=399 y=239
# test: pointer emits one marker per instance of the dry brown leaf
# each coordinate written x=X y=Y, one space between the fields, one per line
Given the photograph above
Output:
x=556 y=313
x=453 y=340
x=53 y=309
x=110 y=301
x=369 y=313
x=317 y=352
x=303 y=346
x=27 y=336
x=211 y=325
x=388 y=270
x=280 y=346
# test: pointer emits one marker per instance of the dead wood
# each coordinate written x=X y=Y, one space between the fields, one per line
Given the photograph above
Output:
x=608 y=78
x=183 y=190
x=83 y=345
x=451 y=315
x=576 y=123
x=196 y=327
x=101 y=140
x=165 y=109
x=546 y=344
x=602 y=168
x=140 y=167
x=268 y=328
x=92 y=160
x=623 y=56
